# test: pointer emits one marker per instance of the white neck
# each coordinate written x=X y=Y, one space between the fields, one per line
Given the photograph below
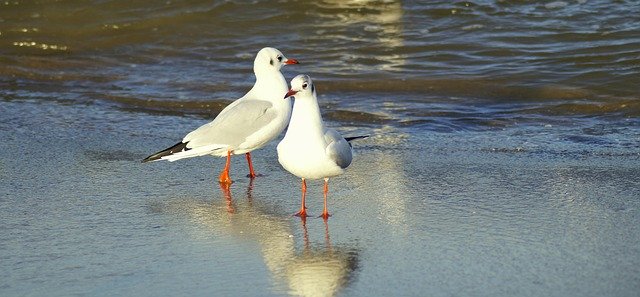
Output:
x=270 y=84
x=306 y=118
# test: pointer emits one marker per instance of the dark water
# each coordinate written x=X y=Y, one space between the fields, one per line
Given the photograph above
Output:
x=504 y=158
x=567 y=58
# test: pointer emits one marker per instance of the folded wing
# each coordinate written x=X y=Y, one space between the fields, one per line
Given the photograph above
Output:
x=338 y=149
x=233 y=125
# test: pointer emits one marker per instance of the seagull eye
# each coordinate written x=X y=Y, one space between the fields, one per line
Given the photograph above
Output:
x=279 y=58
x=304 y=85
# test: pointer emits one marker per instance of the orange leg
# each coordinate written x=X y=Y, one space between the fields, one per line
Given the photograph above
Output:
x=251 y=174
x=325 y=214
x=303 y=209
x=224 y=175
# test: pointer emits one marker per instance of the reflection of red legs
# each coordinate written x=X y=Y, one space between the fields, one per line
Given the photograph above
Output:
x=303 y=209
x=224 y=175
x=327 y=240
x=305 y=233
x=251 y=174
x=250 y=193
x=325 y=214
x=226 y=192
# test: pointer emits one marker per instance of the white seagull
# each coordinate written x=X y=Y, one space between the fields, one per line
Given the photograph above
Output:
x=244 y=125
x=309 y=150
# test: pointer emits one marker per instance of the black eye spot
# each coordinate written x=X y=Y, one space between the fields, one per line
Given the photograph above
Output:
x=279 y=58
x=271 y=62
x=304 y=85
x=313 y=88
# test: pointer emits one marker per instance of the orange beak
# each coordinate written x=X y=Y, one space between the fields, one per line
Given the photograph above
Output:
x=291 y=61
x=290 y=93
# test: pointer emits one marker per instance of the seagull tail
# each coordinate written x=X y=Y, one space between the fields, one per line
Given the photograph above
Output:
x=349 y=139
x=179 y=147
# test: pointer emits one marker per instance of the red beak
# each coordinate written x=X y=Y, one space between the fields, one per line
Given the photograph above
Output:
x=291 y=61
x=290 y=93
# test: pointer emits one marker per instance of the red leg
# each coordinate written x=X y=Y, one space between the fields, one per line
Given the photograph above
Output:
x=224 y=175
x=251 y=174
x=325 y=214
x=303 y=209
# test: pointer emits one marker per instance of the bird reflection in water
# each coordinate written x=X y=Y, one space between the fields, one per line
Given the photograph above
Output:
x=226 y=193
x=321 y=270
x=299 y=268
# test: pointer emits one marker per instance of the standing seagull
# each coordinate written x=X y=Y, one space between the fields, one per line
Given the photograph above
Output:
x=244 y=125
x=309 y=150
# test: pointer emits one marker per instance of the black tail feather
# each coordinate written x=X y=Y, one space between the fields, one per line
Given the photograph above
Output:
x=179 y=147
x=349 y=139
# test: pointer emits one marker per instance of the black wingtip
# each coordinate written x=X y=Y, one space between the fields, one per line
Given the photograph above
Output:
x=178 y=147
x=349 y=139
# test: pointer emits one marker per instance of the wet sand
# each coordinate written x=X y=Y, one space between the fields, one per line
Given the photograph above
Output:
x=419 y=213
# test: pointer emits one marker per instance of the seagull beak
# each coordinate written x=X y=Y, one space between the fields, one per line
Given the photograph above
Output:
x=291 y=61
x=290 y=93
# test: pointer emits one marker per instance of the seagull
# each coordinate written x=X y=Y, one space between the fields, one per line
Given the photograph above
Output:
x=246 y=124
x=309 y=150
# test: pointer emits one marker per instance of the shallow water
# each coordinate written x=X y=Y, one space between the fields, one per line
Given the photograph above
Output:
x=504 y=158
x=430 y=213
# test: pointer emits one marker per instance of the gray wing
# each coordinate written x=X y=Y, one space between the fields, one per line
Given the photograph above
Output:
x=338 y=149
x=233 y=125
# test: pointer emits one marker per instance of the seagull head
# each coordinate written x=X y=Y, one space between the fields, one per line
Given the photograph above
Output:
x=301 y=85
x=270 y=58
